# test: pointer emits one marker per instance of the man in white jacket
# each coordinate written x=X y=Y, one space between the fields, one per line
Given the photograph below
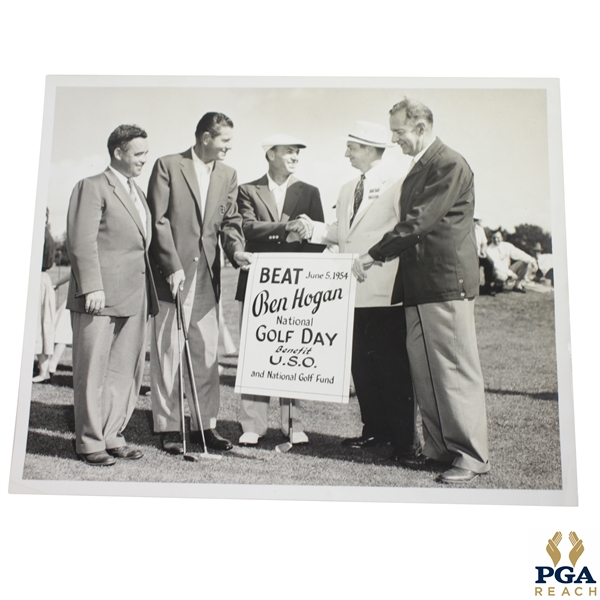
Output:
x=510 y=263
x=368 y=207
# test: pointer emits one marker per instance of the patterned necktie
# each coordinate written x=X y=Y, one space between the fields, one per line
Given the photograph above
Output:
x=138 y=204
x=358 y=196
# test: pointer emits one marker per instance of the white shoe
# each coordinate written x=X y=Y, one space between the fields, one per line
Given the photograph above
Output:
x=249 y=439
x=299 y=437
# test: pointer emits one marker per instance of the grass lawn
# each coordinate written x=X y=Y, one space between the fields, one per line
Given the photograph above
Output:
x=517 y=348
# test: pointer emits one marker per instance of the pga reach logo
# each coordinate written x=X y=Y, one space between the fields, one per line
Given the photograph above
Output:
x=570 y=580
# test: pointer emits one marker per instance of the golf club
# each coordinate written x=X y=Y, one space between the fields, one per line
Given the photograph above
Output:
x=186 y=456
x=188 y=358
x=287 y=446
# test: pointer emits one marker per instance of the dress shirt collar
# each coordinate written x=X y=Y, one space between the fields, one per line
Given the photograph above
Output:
x=273 y=185
x=419 y=156
x=374 y=173
x=120 y=177
x=201 y=165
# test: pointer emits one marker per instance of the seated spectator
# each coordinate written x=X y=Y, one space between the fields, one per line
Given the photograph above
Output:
x=510 y=264
x=545 y=270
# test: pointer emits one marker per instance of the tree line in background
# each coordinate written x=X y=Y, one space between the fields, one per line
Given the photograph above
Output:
x=524 y=237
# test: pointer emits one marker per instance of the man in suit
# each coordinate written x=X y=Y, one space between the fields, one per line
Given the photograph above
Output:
x=367 y=208
x=192 y=196
x=270 y=207
x=438 y=280
x=111 y=293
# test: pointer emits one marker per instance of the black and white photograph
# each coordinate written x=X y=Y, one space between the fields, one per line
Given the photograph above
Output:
x=335 y=168
x=172 y=205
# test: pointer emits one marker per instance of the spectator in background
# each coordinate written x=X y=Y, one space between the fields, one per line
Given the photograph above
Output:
x=510 y=264
x=545 y=270
x=484 y=259
x=44 y=343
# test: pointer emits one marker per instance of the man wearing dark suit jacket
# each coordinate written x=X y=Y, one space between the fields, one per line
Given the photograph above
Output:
x=192 y=197
x=111 y=293
x=438 y=280
x=270 y=207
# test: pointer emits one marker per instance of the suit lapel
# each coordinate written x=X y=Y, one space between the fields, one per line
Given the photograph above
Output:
x=214 y=193
x=292 y=195
x=189 y=174
x=123 y=195
x=367 y=203
x=265 y=194
x=142 y=197
x=429 y=154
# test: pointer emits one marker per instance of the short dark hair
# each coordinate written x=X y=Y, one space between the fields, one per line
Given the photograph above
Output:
x=212 y=122
x=415 y=111
x=121 y=137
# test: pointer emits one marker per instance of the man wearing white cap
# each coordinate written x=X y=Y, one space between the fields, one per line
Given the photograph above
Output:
x=367 y=208
x=270 y=207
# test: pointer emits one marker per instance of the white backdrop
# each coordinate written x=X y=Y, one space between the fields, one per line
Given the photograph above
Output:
x=57 y=545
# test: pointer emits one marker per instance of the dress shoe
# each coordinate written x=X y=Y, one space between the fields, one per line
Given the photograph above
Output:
x=299 y=438
x=520 y=290
x=213 y=440
x=249 y=439
x=420 y=462
x=98 y=459
x=171 y=442
x=398 y=455
x=365 y=441
x=456 y=475
x=125 y=452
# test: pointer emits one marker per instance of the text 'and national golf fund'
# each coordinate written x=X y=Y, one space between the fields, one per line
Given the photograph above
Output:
x=296 y=338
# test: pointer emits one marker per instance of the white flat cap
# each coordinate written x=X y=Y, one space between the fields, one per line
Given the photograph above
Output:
x=370 y=134
x=282 y=139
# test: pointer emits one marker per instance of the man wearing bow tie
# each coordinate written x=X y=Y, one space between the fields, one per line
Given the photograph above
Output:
x=111 y=293
x=192 y=196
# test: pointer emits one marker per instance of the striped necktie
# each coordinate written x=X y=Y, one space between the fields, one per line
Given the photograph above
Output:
x=138 y=204
x=359 y=192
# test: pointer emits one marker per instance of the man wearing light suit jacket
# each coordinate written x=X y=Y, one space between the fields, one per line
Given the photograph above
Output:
x=192 y=197
x=269 y=207
x=438 y=281
x=366 y=208
x=111 y=293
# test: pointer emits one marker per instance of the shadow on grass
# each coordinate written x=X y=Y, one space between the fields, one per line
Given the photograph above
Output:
x=62 y=380
x=52 y=430
x=553 y=396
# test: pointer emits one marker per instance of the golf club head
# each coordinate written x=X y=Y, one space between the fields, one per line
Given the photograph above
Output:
x=213 y=456
x=190 y=458
x=285 y=447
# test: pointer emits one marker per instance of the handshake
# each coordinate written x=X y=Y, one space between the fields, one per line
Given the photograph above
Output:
x=299 y=229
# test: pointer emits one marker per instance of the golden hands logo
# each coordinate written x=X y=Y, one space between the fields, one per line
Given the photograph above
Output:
x=574 y=554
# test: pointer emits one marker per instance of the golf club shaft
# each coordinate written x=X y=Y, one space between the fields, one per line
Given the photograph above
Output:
x=181 y=403
x=188 y=358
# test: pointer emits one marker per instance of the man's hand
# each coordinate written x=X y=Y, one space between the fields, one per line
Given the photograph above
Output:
x=175 y=281
x=303 y=226
x=361 y=265
x=243 y=259
x=95 y=302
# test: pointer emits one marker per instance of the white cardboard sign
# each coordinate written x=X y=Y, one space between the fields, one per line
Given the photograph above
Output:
x=296 y=338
